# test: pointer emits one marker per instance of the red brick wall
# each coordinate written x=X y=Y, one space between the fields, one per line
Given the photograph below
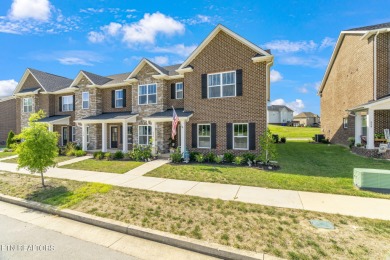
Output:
x=7 y=118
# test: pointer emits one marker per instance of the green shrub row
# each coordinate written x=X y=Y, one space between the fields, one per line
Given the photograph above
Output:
x=139 y=153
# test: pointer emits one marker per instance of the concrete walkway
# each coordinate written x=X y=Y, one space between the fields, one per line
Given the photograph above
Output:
x=9 y=157
x=147 y=167
x=75 y=160
x=328 y=203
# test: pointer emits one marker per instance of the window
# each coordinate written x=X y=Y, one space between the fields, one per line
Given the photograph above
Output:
x=85 y=98
x=73 y=134
x=147 y=94
x=240 y=137
x=179 y=90
x=118 y=98
x=87 y=134
x=364 y=125
x=67 y=103
x=204 y=136
x=221 y=84
x=27 y=105
x=345 y=123
x=144 y=134
x=129 y=134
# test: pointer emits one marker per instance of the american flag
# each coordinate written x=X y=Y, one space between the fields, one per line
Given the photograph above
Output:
x=175 y=121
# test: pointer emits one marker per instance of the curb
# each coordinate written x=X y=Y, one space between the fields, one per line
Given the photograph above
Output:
x=206 y=248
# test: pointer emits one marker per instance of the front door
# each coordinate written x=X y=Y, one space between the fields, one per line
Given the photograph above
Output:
x=65 y=135
x=114 y=137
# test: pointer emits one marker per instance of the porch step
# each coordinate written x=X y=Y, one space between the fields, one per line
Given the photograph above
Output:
x=164 y=156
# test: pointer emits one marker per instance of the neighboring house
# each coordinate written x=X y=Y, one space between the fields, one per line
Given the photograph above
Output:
x=355 y=91
x=306 y=119
x=219 y=92
x=278 y=114
x=7 y=117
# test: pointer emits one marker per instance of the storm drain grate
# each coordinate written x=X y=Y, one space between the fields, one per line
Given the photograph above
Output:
x=322 y=224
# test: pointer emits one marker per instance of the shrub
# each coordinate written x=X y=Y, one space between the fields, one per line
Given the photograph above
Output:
x=98 y=155
x=141 y=153
x=193 y=156
x=70 y=153
x=351 y=141
x=267 y=146
x=238 y=160
x=218 y=159
x=325 y=141
x=283 y=140
x=210 y=157
x=249 y=157
x=199 y=158
x=79 y=153
x=228 y=157
x=118 y=155
x=275 y=138
x=7 y=150
x=70 y=149
x=359 y=145
x=176 y=156
x=107 y=156
x=10 y=139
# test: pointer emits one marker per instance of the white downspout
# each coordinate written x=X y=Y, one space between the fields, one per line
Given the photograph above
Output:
x=268 y=86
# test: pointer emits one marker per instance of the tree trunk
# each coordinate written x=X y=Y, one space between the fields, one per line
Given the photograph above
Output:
x=43 y=181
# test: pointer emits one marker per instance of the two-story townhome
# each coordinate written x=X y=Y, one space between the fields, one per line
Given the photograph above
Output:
x=355 y=91
x=219 y=93
x=279 y=114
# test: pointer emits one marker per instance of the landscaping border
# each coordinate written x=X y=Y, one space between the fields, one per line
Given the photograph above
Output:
x=206 y=248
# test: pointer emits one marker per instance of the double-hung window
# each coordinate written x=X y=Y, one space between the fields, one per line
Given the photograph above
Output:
x=27 y=105
x=129 y=134
x=85 y=98
x=240 y=137
x=119 y=98
x=144 y=134
x=221 y=84
x=67 y=103
x=179 y=90
x=204 y=136
x=147 y=94
x=345 y=123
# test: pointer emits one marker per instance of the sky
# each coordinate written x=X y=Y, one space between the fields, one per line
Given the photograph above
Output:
x=109 y=37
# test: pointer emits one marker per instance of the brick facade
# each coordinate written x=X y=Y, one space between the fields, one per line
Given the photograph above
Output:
x=7 y=118
x=383 y=68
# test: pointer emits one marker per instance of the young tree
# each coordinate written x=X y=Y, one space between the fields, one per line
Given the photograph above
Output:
x=10 y=139
x=267 y=146
x=38 y=148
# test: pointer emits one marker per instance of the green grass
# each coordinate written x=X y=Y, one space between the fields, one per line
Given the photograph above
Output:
x=6 y=154
x=304 y=166
x=294 y=132
x=285 y=233
x=104 y=166
x=57 y=159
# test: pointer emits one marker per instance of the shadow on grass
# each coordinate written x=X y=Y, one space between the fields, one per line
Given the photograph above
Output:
x=55 y=196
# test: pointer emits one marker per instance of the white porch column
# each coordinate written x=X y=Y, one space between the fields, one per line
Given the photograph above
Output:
x=183 y=125
x=50 y=127
x=370 y=129
x=104 y=137
x=154 y=142
x=125 y=145
x=358 y=127
x=84 y=136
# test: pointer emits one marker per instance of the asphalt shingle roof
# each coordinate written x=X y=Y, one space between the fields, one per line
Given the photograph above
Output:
x=26 y=90
x=96 y=79
x=117 y=78
x=51 y=82
x=52 y=118
x=371 y=27
x=305 y=115
x=113 y=115
x=169 y=113
x=278 y=108
x=159 y=67
x=172 y=69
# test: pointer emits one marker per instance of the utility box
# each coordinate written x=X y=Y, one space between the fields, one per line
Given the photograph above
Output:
x=371 y=179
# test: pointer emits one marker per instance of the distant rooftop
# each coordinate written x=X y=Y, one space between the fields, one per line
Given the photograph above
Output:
x=371 y=27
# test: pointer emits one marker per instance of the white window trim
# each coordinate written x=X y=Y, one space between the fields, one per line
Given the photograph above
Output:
x=73 y=134
x=247 y=137
x=63 y=103
x=82 y=100
x=197 y=130
x=147 y=94
x=149 y=136
x=176 y=91
x=118 y=90
x=221 y=73
x=345 y=122
x=27 y=106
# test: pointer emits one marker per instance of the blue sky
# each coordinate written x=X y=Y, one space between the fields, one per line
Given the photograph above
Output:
x=109 y=37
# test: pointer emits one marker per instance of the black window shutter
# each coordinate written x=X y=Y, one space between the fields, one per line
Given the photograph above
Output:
x=183 y=89
x=60 y=104
x=194 y=136
x=213 y=136
x=229 y=136
x=121 y=133
x=113 y=98
x=124 y=97
x=70 y=133
x=74 y=102
x=252 y=136
x=239 y=82
x=204 y=85
x=173 y=91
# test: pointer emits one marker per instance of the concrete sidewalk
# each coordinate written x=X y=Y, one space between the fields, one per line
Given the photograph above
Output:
x=75 y=160
x=9 y=157
x=328 y=203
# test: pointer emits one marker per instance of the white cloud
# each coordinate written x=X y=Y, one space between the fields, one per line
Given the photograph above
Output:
x=7 y=87
x=146 y=30
x=297 y=106
x=287 y=46
x=198 y=19
x=30 y=9
x=276 y=76
x=308 y=61
x=161 y=60
x=96 y=37
x=327 y=42
x=179 y=49
x=74 y=61
x=92 y=10
x=70 y=57
x=112 y=29
x=303 y=90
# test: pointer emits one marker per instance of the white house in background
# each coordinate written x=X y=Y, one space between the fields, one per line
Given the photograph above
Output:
x=278 y=114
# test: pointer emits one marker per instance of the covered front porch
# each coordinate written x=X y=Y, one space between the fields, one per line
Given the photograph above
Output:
x=60 y=124
x=107 y=131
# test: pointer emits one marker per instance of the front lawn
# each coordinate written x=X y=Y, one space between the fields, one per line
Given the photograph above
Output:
x=104 y=166
x=294 y=132
x=6 y=154
x=304 y=166
x=57 y=159
x=280 y=232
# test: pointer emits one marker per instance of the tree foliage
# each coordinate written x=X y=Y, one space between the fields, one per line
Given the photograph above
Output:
x=268 y=149
x=10 y=139
x=38 y=148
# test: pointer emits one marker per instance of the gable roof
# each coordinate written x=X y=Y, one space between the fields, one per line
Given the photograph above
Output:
x=366 y=31
x=142 y=63
x=96 y=79
x=211 y=36
x=305 y=115
x=278 y=108
x=171 y=69
x=117 y=78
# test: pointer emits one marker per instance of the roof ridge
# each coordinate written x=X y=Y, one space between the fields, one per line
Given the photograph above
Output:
x=48 y=73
